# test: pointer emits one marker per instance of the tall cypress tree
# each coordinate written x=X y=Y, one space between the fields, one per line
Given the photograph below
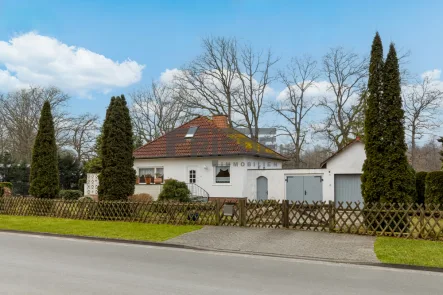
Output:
x=372 y=177
x=117 y=178
x=399 y=178
x=44 y=177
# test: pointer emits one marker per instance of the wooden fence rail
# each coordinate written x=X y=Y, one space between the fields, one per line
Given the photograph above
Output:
x=400 y=220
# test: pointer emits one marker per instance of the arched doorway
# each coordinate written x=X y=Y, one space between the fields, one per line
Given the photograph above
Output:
x=262 y=188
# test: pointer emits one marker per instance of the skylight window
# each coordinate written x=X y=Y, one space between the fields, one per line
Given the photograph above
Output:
x=191 y=132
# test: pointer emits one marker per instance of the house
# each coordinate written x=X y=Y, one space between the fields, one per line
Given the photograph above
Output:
x=212 y=158
x=338 y=179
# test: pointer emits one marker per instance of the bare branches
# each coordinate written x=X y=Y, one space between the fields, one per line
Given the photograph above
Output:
x=154 y=111
x=253 y=75
x=20 y=111
x=206 y=84
x=299 y=78
x=84 y=131
x=421 y=102
x=346 y=74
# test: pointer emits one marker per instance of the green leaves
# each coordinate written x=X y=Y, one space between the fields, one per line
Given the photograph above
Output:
x=387 y=176
x=44 y=176
x=117 y=177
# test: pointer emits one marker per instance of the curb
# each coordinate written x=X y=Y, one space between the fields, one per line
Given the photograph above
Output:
x=179 y=246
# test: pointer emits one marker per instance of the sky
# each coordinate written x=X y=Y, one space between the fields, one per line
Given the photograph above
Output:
x=96 y=49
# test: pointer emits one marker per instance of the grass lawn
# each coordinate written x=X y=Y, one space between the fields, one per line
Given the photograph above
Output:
x=412 y=252
x=102 y=229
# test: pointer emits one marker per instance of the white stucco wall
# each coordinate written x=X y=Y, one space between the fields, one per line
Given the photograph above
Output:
x=349 y=161
x=177 y=168
x=152 y=189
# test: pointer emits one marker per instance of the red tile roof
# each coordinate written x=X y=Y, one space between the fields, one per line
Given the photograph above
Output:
x=209 y=140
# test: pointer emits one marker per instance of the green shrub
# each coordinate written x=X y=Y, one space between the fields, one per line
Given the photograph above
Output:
x=420 y=178
x=141 y=198
x=434 y=188
x=70 y=194
x=174 y=190
x=4 y=184
x=85 y=199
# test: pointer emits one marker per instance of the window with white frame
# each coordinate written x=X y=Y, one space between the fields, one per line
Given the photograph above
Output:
x=222 y=174
x=192 y=176
x=147 y=175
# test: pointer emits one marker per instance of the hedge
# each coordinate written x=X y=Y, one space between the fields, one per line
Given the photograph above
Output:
x=434 y=188
x=5 y=184
x=420 y=179
x=70 y=194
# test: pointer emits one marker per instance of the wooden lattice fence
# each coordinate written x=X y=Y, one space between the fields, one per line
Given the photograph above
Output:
x=401 y=220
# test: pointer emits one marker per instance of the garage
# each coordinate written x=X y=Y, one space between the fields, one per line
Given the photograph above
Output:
x=304 y=188
x=347 y=188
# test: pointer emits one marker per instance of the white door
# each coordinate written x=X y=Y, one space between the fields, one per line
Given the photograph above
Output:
x=192 y=175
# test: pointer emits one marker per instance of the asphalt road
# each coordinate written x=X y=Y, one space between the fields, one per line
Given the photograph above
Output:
x=45 y=265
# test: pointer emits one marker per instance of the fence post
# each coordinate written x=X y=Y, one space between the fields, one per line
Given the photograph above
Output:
x=285 y=208
x=331 y=216
x=421 y=233
x=217 y=211
x=242 y=209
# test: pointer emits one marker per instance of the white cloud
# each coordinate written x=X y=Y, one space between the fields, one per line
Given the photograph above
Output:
x=317 y=90
x=432 y=74
x=168 y=75
x=41 y=60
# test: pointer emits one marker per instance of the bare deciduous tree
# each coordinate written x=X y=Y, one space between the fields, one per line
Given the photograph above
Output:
x=253 y=75
x=207 y=83
x=20 y=111
x=346 y=74
x=154 y=111
x=422 y=102
x=427 y=156
x=299 y=77
x=84 y=131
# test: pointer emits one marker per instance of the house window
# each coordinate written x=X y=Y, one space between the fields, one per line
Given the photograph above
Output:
x=192 y=176
x=191 y=132
x=222 y=174
x=151 y=173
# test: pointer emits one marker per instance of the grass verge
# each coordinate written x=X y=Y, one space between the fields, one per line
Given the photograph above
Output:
x=411 y=252
x=102 y=229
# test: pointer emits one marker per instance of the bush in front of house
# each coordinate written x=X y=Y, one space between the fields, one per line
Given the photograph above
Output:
x=420 y=178
x=85 y=199
x=144 y=198
x=117 y=177
x=3 y=185
x=434 y=188
x=70 y=194
x=44 y=177
x=174 y=190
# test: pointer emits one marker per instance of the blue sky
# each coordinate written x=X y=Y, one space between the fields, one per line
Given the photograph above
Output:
x=166 y=34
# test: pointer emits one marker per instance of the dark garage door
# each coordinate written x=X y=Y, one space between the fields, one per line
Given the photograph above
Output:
x=348 y=188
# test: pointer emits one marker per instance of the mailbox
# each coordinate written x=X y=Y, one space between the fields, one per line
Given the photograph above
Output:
x=228 y=209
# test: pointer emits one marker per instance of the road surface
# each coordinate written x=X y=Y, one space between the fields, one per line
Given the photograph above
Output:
x=49 y=266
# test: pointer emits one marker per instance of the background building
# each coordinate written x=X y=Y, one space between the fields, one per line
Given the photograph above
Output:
x=266 y=136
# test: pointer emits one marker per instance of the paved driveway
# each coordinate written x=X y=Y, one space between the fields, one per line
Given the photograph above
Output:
x=307 y=244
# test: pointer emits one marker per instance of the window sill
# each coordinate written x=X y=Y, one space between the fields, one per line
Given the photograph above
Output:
x=222 y=184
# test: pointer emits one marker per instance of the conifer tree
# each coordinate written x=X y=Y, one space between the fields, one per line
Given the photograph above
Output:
x=44 y=177
x=399 y=178
x=372 y=177
x=117 y=178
